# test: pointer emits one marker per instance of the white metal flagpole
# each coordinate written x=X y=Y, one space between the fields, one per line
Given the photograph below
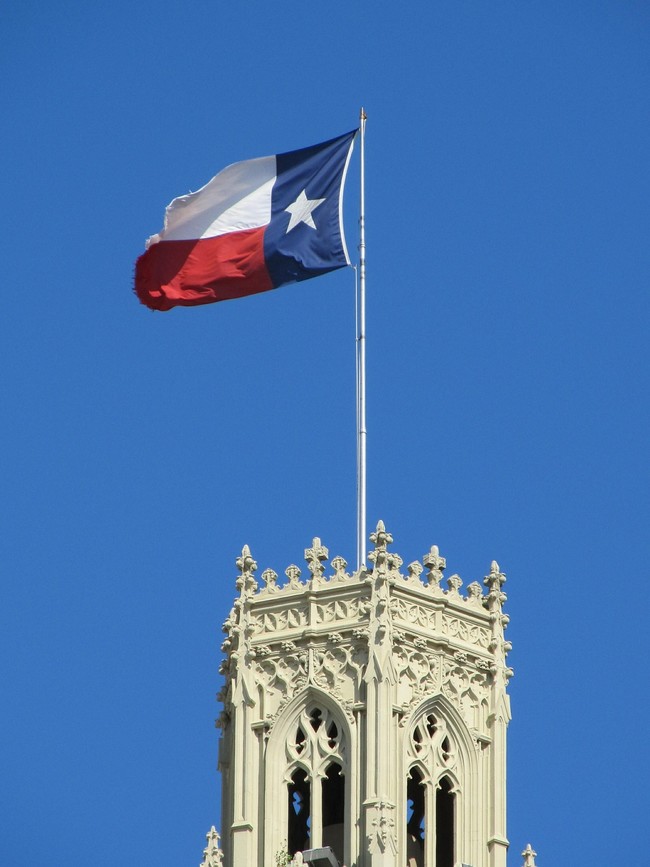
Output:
x=361 y=362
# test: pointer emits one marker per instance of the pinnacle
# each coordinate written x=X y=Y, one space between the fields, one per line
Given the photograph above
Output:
x=529 y=856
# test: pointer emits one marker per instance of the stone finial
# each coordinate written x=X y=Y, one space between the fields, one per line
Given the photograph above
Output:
x=293 y=574
x=380 y=538
x=314 y=557
x=496 y=578
x=498 y=621
x=529 y=856
x=246 y=582
x=212 y=854
x=270 y=579
x=454 y=582
x=435 y=567
x=415 y=570
x=494 y=581
x=340 y=565
x=475 y=594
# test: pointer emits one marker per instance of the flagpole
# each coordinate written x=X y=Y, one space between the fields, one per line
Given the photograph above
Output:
x=361 y=361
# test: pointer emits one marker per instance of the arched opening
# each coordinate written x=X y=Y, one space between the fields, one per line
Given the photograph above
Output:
x=445 y=822
x=333 y=806
x=299 y=825
x=415 y=823
x=316 y=789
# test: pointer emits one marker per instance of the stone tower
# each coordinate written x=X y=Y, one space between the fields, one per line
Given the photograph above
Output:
x=366 y=712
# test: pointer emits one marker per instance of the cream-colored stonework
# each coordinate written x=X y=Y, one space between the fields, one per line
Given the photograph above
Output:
x=381 y=674
x=529 y=856
x=212 y=854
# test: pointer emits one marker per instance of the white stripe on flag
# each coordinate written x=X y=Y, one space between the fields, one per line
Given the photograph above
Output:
x=238 y=198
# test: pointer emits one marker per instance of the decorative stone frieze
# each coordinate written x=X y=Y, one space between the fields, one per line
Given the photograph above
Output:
x=337 y=609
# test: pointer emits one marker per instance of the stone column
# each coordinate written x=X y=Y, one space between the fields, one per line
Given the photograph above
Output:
x=381 y=787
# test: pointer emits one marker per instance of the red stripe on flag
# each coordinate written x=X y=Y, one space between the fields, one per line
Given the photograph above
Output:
x=186 y=273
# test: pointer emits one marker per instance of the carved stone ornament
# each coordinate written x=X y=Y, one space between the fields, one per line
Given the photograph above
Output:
x=280 y=621
x=338 y=671
x=338 y=609
x=382 y=607
x=394 y=562
x=412 y=613
x=415 y=569
x=495 y=580
x=246 y=582
x=454 y=582
x=293 y=574
x=212 y=854
x=432 y=745
x=475 y=595
x=315 y=743
x=270 y=579
x=340 y=565
x=436 y=565
x=382 y=837
x=315 y=556
x=469 y=633
x=529 y=856
x=279 y=679
x=468 y=692
x=418 y=674
x=380 y=538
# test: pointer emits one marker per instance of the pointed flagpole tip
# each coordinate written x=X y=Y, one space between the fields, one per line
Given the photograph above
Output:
x=362 y=114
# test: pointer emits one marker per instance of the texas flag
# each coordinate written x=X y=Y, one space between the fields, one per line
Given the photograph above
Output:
x=255 y=226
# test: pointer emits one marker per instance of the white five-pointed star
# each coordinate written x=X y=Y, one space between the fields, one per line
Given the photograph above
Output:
x=301 y=210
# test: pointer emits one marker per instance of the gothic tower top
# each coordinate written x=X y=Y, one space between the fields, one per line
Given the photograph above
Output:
x=365 y=712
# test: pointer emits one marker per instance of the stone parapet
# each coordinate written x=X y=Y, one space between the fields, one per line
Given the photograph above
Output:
x=318 y=627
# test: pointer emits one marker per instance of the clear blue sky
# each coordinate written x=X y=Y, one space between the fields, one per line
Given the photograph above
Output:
x=509 y=266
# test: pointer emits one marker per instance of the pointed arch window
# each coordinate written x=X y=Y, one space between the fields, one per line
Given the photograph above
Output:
x=430 y=795
x=316 y=766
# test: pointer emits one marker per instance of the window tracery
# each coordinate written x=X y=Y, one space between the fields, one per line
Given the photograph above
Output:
x=432 y=745
x=431 y=793
x=315 y=776
x=315 y=743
